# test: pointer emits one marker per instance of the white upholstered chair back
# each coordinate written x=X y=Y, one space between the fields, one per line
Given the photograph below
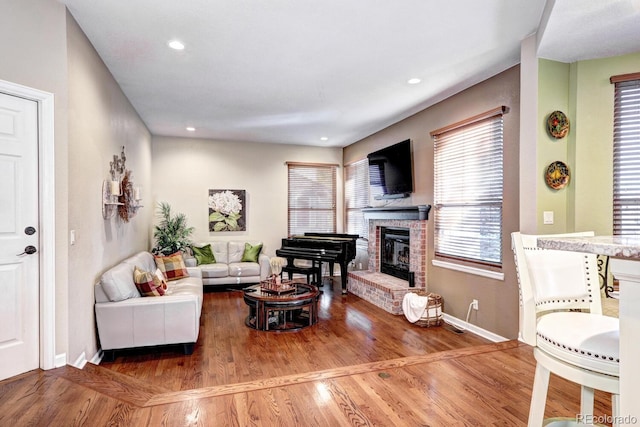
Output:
x=553 y=280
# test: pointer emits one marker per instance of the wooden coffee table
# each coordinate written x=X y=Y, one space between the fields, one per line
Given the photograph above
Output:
x=282 y=312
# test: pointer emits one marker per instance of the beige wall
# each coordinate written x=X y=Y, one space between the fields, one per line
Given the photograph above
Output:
x=34 y=54
x=498 y=300
x=185 y=169
x=101 y=121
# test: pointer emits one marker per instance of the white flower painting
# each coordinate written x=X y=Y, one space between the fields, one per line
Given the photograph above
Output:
x=226 y=210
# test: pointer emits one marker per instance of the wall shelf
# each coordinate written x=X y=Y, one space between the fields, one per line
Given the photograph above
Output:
x=109 y=203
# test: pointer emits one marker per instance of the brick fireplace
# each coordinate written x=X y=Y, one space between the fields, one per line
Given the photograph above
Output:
x=380 y=289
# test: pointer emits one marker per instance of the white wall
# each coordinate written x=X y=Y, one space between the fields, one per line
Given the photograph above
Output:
x=185 y=169
x=101 y=121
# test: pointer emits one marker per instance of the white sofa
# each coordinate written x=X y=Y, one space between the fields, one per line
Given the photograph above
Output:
x=125 y=319
x=229 y=269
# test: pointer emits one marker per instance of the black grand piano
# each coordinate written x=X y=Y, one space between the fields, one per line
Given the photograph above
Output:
x=321 y=247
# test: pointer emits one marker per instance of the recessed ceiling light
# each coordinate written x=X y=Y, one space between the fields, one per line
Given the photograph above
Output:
x=176 y=44
x=191 y=129
x=324 y=138
x=414 y=81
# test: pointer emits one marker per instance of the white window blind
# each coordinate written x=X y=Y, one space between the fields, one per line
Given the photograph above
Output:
x=312 y=198
x=469 y=189
x=356 y=196
x=626 y=157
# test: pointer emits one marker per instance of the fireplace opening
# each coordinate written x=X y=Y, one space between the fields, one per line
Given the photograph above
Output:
x=394 y=252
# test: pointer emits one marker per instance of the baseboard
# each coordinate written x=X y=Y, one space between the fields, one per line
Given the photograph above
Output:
x=97 y=358
x=80 y=361
x=60 y=360
x=461 y=324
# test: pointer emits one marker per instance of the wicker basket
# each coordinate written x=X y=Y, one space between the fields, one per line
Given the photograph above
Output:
x=432 y=315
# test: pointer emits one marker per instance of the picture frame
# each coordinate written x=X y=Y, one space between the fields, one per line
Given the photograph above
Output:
x=227 y=210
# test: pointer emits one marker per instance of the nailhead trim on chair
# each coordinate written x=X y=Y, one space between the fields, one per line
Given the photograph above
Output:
x=579 y=351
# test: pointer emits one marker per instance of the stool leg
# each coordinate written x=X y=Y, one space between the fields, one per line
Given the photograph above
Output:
x=586 y=402
x=615 y=409
x=538 y=396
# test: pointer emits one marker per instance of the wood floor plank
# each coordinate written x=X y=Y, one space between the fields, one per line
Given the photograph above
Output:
x=284 y=380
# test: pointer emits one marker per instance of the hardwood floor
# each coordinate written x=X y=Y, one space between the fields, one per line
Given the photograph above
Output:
x=359 y=366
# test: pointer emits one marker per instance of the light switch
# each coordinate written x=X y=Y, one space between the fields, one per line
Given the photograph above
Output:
x=547 y=217
x=72 y=237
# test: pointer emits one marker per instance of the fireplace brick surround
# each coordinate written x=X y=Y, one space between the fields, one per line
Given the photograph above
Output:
x=381 y=289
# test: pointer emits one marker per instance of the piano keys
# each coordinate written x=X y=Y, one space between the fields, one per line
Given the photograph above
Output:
x=321 y=247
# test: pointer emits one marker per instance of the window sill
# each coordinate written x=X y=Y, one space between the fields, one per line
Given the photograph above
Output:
x=470 y=270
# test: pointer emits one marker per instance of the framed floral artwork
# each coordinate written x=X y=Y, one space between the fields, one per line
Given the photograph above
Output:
x=227 y=210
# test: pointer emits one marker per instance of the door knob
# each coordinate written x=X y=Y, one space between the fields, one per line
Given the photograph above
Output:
x=29 y=230
x=29 y=250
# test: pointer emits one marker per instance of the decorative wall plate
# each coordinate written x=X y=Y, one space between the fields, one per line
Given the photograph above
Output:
x=557 y=175
x=557 y=124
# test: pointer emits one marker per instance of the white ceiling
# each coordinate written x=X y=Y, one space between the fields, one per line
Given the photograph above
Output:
x=293 y=71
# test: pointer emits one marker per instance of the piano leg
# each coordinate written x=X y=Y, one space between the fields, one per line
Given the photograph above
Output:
x=343 y=277
x=317 y=275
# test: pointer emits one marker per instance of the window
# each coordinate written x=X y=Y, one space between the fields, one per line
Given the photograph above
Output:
x=469 y=188
x=312 y=198
x=356 y=196
x=626 y=154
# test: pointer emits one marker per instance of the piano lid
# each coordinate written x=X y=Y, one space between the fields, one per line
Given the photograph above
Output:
x=305 y=237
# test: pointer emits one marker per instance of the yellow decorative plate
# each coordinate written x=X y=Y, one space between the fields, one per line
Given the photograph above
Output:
x=557 y=175
x=557 y=124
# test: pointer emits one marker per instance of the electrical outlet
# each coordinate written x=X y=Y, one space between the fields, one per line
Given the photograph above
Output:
x=474 y=304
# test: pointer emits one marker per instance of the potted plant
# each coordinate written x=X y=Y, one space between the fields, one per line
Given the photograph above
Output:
x=172 y=233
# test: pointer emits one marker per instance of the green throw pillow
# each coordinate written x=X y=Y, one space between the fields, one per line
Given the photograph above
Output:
x=251 y=252
x=203 y=255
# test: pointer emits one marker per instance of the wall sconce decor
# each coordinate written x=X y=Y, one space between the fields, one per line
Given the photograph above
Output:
x=119 y=194
x=557 y=124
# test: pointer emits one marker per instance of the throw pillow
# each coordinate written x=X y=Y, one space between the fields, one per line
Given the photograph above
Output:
x=161 y=278
x=147 y=283
x=172 y=266
x=251 y=253
x=203 y=255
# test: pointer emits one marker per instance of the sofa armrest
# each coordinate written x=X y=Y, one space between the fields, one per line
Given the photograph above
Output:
x=265 y=266
x=189 y=261
x=194 y=272
x=139 y=322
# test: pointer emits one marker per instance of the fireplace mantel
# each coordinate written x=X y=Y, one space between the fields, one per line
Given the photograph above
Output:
x=420 y=212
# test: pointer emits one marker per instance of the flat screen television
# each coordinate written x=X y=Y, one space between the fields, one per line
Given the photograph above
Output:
x=391 y=171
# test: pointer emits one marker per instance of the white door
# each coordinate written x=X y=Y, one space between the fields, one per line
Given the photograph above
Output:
x=19 y=267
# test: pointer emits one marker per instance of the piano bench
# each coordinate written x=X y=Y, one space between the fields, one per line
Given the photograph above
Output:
x=310 y=272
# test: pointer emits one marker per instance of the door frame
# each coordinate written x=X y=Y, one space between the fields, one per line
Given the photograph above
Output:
x=46 y=213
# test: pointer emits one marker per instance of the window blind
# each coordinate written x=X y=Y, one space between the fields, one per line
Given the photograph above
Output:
x=469 y=190
x=312 y=198
x=356 y=196
x=626 y=157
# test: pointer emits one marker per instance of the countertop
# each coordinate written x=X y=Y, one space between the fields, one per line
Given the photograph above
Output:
x=615 y=246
